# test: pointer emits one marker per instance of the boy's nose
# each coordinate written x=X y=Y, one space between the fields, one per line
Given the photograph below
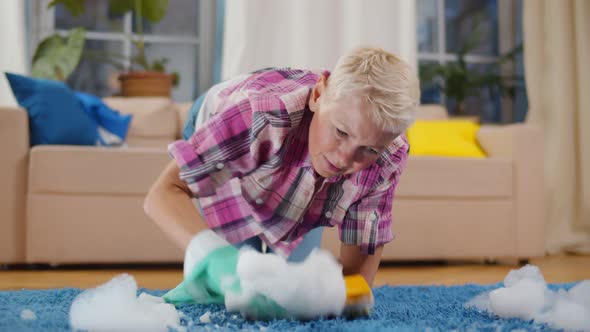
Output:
x=344 y=158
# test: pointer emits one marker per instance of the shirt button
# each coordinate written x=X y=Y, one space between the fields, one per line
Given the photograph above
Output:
x=219 y=166
x=259 y=201
x=328 y=214
x=373 y=217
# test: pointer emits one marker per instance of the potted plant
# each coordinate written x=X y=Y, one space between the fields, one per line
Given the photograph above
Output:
x=151 y=79
x=456 y=81
x=56 y=57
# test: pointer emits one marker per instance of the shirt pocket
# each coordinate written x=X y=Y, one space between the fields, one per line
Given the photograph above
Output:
x=330 y=212
x=255 y=191
x=267 y=195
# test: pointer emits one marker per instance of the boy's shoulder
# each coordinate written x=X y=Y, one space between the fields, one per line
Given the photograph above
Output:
x=385 y=171
x=271 y=89
x=396 y=154
x=391 y=162
x=276 y=92
x=279 y=81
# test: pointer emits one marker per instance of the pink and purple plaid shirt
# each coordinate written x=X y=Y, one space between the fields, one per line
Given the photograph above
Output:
x=250 y=168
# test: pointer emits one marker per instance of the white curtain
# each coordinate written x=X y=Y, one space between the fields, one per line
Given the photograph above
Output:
x=12 y=42
x=312 y=33
x=557 y=69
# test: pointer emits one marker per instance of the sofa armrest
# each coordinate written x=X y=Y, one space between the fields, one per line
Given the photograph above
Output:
x=14 y=144
x=522 y=143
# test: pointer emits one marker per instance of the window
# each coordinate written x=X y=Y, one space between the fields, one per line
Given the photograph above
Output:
x=443 y=26
x=184 y=37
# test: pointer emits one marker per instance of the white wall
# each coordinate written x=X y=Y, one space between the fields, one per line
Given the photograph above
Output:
x=13 y=56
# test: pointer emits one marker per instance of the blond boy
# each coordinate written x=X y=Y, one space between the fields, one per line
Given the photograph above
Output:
x=286 y=151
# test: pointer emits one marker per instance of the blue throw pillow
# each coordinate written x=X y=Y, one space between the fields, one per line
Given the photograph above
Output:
x=55 y=114
x=104 y=116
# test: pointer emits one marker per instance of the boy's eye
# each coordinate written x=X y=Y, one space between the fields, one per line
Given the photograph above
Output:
x=372 y=151
x=341 y=133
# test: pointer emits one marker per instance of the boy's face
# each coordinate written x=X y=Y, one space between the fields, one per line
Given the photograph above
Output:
x=342 y=137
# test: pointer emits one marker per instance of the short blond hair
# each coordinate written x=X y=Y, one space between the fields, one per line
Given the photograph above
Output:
x=387 y=83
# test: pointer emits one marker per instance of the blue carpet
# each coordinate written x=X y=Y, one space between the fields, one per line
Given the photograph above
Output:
x=396 y=308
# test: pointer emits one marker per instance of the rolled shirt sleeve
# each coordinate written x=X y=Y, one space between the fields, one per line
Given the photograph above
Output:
x=368 y=221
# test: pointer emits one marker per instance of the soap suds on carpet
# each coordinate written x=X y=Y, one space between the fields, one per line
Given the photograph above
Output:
x=307 y=290
x=115 y=306
x=205 y=318
x=525 y=295
x=27 y=314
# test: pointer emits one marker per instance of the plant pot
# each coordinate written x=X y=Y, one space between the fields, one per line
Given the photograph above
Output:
x=146 y=84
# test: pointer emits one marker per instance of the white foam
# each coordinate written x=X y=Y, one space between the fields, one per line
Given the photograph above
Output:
x=115 y=306
x=527 y=272
x=27 y=314
x=307 y=290
x=523 y=300
x=525 y=295
x=205 y=318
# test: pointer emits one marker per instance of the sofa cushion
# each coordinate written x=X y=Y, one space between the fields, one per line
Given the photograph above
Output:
x=89 y=229
x=95 y=170
x=106 y=118
x=452 y=138
x=442 y=177
x=55 y=114
x=154 y=121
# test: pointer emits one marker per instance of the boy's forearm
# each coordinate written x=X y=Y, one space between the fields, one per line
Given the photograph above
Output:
x=170 y=206
x=175 y=214
x=354 y=262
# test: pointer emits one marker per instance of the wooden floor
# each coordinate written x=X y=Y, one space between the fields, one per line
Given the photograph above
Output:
x=556 y=269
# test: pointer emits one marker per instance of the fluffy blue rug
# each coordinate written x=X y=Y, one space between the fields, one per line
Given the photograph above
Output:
x=396 y=308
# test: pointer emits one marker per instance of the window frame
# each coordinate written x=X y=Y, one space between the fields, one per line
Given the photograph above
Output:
x=507 y=32
x=42 y=21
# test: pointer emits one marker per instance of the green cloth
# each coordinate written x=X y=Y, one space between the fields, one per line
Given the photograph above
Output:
x=204 y=284
x=215 y=275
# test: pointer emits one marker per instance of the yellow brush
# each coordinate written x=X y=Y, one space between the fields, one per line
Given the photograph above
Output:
x=359 y=298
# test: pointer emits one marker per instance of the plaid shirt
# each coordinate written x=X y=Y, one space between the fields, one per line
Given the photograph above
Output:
x=250 y=168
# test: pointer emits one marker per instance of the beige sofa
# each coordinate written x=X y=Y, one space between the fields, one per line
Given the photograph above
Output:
x=75 y=204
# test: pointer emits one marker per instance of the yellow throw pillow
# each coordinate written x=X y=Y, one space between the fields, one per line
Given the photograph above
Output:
x=450 y=138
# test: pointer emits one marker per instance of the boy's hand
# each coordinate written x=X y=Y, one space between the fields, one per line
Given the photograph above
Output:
x=210 y=273
x=209 y=260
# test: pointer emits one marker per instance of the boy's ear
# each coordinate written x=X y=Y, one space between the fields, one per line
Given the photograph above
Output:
x=317 y=90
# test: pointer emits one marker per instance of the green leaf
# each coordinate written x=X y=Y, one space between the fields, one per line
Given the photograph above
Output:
x=159 y=65
x=152 y=10
x=510 y=55
x=120 y=7
x=75 y=7
x=472 y=40
x=175 y=79
x=56 y=58
x=47 y=46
